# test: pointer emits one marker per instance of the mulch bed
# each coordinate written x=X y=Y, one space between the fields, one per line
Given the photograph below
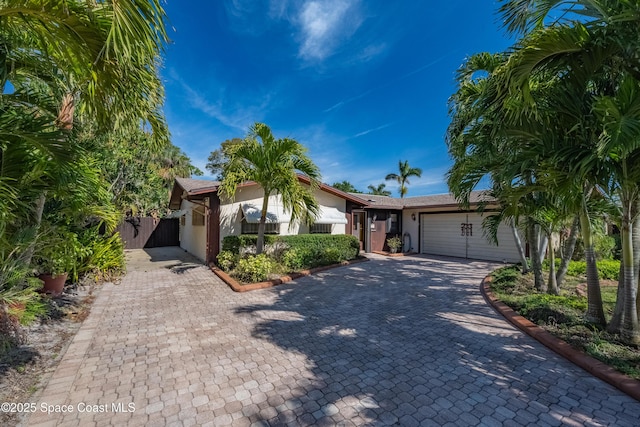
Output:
x=244 y=287
x=26 y=369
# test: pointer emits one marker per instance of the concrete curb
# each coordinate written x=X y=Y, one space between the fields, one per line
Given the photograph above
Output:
x=237 y=287
x=595 y=367
x=397 y=254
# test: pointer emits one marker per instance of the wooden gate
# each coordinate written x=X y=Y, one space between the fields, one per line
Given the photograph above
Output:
x=147 y=232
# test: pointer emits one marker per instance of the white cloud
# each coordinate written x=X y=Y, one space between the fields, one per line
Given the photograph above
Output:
x=324 y=24
x=386 y=125
x=238 y=115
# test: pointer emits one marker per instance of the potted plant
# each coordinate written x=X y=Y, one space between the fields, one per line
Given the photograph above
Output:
x=394 y=244
x=55 y=257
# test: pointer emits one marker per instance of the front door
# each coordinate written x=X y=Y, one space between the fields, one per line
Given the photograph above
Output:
x=359 y=227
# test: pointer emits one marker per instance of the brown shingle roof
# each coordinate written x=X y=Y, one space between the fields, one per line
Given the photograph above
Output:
x=197 y=186
x=445 y=200
x=194 y=187
x=436 y=200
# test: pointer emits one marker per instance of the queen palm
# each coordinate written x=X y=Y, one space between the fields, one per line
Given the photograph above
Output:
x=405 y=172
x=274 y=164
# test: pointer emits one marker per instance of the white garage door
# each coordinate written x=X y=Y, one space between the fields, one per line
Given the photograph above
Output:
x=461 y=235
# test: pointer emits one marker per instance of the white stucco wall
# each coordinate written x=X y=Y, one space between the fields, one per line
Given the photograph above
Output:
x=412 y=227
x=193 y=239
x=231 y=215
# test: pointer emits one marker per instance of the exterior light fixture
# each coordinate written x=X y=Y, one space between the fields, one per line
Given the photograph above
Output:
x=413 y=216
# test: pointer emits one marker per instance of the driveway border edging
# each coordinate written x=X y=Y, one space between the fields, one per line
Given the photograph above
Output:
x=237 y=287
x=590 y=364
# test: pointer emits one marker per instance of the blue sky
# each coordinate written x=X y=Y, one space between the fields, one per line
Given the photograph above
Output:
x=361 y=83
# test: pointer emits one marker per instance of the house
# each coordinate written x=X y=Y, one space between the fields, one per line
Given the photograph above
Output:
x=205 y=219
x=427 y=224
x=433 y=225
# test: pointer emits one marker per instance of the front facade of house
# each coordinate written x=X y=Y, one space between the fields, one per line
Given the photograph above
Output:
x=205 y=219
x=427 y=224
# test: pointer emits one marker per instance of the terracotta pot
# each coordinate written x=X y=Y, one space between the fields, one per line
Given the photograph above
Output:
x=53 y=285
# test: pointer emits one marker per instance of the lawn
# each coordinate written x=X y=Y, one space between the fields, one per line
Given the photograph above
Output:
x=563 y=316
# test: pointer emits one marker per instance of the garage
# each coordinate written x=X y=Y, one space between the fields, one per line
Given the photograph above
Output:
x=461 y=235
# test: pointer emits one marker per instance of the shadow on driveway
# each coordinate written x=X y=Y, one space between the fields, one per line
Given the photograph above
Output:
x=412 y=342
x=173 y=258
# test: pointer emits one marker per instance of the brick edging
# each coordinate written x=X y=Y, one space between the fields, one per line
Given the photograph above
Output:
x=237 y=287
x=595 y=367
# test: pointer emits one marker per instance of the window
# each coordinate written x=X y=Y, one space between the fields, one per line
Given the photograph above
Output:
x=252 y=227
x=320 y=229
x=197 y=216
x=392 y=223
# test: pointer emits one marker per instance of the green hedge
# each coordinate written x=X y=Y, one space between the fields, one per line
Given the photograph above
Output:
x=304 y=250
x=607 y=268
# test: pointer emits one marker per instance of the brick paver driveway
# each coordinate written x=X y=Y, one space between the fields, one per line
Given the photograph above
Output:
x=387 y=342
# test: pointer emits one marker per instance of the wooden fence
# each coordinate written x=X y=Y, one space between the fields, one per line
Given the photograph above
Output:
x=147 y=232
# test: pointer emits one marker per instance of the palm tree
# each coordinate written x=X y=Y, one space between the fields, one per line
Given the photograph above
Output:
x=379 y=189
x=597 y=55
x=496 y=134
x=345 y=186
x=406 y=171
x=274 y=164
x=102 y=57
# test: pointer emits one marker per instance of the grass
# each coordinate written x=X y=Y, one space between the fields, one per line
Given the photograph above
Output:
x=563 y=316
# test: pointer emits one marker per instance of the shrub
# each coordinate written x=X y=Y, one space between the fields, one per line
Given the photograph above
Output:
x=577 y=268
x=604 y=246
x=276 y=249
x=347 y=245
x=235 y=243
x=255 y=268
x=104 y=256
x=296 y=259
x=331 y=256
x=227 y=260
x=608 y=269
x=304 y=250
x=504 y=279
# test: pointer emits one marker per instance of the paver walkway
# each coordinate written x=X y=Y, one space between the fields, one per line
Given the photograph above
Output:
x=405 y=342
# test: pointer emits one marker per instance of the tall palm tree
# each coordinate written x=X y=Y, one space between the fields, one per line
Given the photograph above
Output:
x=274 y=164
x=402 y=178
x=379 y=189
x=595 y=53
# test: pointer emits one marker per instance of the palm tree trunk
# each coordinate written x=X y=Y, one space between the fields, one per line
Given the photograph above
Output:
x=543 y=243
x=595 y=310
x=635 y=235
x=261 y=225
x=569 y=248
x=615 y=325
x=523 y=256
x=37 y=217
x=630 y=332
x=552 y=285
x=535 y=257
